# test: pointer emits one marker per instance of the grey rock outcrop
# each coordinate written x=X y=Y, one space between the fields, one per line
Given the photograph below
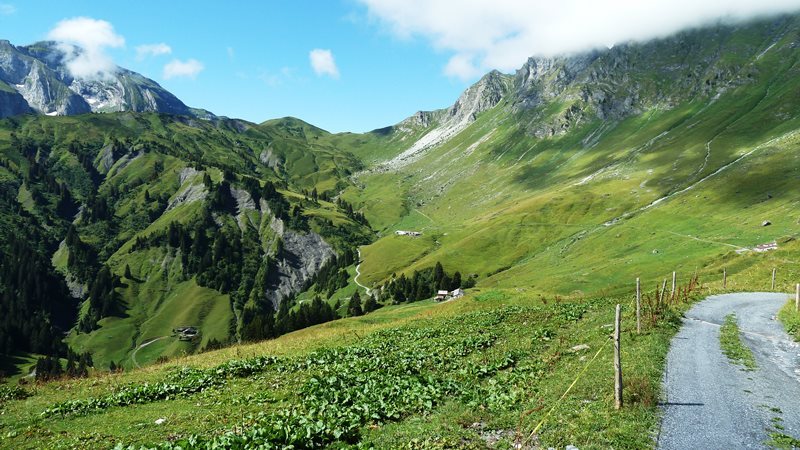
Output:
x=300 y=259
x=480 y=97
x=190 y=191
x=244 y=200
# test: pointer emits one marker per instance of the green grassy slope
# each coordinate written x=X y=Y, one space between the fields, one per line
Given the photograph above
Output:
x=149 y=170
x=533 y=212
x=424 y=374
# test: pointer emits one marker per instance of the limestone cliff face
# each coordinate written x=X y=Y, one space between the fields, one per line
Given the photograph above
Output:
x=480 y=97
x=444 y=124
x=299 y=258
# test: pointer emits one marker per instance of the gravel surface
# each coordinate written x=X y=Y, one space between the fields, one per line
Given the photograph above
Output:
x=711 y=403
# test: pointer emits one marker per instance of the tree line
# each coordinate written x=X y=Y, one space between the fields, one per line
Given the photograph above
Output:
x=423 y=284
x=35 y=305
x=50 y=368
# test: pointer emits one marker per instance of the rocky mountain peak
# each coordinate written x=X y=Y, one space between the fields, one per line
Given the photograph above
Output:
x=39 y=79
x=479 y=97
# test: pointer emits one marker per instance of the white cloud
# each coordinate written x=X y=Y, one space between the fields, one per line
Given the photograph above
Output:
x=177 y=68
x=231 y=53
x=502 y=34
x=462 y=65
x=7 y=9
x=84 y=41
x=323 y=63
x=275 y=79
x=146 y=50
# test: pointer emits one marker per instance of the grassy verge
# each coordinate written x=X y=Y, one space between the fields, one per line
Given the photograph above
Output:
x=780 y=440
x=481 y=371
x=732 y=345
x=790 y=319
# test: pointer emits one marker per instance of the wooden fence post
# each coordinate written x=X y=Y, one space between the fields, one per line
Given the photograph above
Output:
x=724 y=278
x=672 y=292
x=797 y=298
x=773 y=277
x=617 y=363
x=663 y=289
x=638 y=307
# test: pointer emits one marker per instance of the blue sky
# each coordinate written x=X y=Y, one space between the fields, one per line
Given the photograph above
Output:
x=255 y=57
x=378 y=61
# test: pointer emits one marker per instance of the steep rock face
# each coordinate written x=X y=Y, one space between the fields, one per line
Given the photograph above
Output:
x=40 y=75
x=301 y=257
x=444 y=124
x=128 y=91
x=480 y=97
x=543 y=79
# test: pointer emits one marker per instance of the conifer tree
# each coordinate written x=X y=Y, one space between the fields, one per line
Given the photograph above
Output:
x=456 y=282
x=370 y=304
x=354 y=307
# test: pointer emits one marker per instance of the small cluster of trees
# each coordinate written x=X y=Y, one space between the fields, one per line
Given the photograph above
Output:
x=214 y=344
x=103 y=299
x=423 y=284
x=266 y=325
x=97 y=209
x=213 y=253
x=82 y=257
x=333 y=275
x=155 y=205
x=219 y=197
x=269 y=193
x=78 y=364
x=355 y=308
x=351 y=213
x=49 y=368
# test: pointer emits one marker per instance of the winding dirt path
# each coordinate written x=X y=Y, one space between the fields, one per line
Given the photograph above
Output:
x=133 y=355
x=358 y=274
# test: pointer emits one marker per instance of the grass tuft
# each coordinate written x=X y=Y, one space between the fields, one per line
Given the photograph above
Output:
x=790 y=319
x=782 y=441
x=732 y=345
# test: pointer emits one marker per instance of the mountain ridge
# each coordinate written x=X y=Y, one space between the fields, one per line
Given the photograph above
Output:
x=645 y=121
x=39 y=75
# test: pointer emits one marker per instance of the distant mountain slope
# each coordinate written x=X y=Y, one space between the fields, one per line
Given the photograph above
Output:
x=581 y=172
x=35 y=78
x=124 y=226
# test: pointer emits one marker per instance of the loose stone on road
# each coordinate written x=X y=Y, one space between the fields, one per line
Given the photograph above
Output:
x=714 y=404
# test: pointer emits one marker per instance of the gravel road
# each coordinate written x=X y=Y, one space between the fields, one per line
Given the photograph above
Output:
x=713 y=404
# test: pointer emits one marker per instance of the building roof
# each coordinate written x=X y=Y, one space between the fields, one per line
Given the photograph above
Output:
x=765 y=247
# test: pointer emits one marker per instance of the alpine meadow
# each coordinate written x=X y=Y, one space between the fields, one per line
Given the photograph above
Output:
x=176 y=279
